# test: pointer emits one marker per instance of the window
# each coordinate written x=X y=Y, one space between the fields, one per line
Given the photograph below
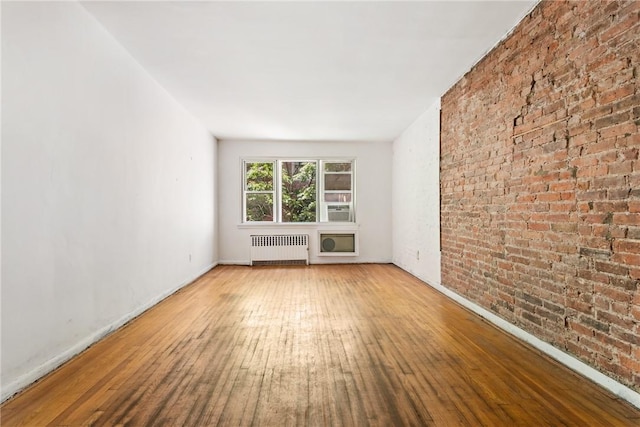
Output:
x=293 y=190
x=259 y=190
x=337 y=192
x=298 y=191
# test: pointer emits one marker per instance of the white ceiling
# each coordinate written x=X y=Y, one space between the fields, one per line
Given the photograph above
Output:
x=308 y=70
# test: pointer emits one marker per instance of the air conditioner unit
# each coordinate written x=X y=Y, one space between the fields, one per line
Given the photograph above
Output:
x=338 y=213
x=338 y=243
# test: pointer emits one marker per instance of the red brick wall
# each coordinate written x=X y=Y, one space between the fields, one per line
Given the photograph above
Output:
x=540 y=182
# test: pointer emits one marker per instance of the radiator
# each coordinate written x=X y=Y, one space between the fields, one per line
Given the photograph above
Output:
x=280 y=249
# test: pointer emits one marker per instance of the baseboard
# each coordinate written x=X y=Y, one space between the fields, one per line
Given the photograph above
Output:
x=346 y=260
x=608 y=383
x=318 y=261
x=234 y=262
x=34 y=375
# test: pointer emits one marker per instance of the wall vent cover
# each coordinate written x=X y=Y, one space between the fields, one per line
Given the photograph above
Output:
x=338 y=243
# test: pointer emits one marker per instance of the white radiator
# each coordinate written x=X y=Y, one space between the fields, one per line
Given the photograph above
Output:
x=280 y=249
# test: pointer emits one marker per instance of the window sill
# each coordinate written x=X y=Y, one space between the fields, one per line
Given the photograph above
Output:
x=312 y=225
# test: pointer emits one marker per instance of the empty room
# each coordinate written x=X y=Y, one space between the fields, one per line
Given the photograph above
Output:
x=327 y=213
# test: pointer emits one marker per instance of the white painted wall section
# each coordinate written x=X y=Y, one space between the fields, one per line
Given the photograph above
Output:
x=108 y=188
x=373 y=188
x=416 y=197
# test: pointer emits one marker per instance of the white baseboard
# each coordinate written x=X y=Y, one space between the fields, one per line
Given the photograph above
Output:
x=35 y=374
x=346 y=260
x=234 y=262
x=566 y=359
x=317 y=261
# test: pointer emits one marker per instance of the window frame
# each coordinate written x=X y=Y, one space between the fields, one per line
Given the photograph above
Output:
x=324 y=205
x=246 y=192
x=321 y=205
x=279 y=195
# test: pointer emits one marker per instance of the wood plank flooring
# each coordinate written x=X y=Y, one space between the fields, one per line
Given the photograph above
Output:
x=321 y=345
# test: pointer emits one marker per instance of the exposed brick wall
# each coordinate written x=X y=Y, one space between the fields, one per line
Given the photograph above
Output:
x=540 y=182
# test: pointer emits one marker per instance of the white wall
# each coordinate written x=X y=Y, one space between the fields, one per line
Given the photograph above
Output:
x=373 y=187
x=107 y=188
x=416 y=197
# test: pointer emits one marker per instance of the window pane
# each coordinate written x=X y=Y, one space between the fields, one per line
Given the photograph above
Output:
x=337 y=167
x=259 y=176
x=337 y=197
x=259 y=207
x=338 y=181
x=298 y=191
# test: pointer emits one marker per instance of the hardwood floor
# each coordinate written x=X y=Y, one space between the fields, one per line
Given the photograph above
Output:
x=320 y=345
